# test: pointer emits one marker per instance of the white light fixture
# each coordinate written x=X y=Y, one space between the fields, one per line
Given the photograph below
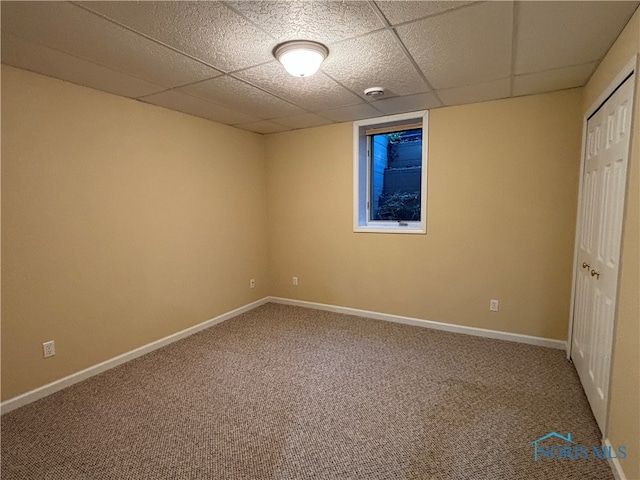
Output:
x=301 y=58
x=374 y=92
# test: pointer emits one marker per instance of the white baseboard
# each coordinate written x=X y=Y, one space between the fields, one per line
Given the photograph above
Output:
x=478 y=332
x=614 y=463
x=41 y=392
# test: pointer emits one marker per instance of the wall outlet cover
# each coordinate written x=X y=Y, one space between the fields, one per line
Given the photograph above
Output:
x=49 y=349
x=493 y=305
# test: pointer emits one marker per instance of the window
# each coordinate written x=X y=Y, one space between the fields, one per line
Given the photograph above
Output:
x=390 y=174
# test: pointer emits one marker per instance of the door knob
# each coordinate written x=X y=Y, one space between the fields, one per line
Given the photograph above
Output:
x=595 y=274
x=585 y=265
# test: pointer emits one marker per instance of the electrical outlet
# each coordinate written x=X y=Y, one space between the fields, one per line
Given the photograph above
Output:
x=295 y=281
x=49 y=349
x=252 y=283
x=493 y=305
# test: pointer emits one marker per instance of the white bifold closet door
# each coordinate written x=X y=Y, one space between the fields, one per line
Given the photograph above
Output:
x=602 y=208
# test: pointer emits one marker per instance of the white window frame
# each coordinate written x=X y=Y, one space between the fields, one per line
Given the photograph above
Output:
x=362 y=175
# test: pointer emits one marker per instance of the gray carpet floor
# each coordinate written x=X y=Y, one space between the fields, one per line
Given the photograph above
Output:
x=284 y=392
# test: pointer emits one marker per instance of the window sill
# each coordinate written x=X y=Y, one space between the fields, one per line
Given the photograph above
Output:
x=415 y=230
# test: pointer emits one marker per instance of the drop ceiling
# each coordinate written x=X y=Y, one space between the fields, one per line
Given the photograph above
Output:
x=214 y=59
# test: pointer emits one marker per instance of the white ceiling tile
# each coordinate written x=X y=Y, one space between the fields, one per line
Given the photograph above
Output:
x=409 y=103
x=351 y=113
x=197 y=106
x=325 y=22
x=163 y=52
x=315 y=92
x=209 y=31
x=374 y=60
x=263 y=126
x=237 y=95
x=75 y=31
x=44 y=60
x=557 y=79
x=464 y=46
x=557 y=34
x=476 y=93
x=305 y=120
x=400 y=11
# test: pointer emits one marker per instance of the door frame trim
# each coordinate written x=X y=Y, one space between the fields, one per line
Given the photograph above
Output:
x=628 y=69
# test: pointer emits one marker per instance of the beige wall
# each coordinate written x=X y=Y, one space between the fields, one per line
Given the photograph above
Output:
x=121 y=223
x=502 y=200
x=624 y=403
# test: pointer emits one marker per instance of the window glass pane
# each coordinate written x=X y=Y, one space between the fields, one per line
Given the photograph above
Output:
x=396 y=175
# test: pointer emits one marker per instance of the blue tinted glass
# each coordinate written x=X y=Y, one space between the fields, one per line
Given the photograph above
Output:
x=396 y=175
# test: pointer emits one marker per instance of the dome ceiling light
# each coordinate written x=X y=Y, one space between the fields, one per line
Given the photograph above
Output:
x=374 y=92
x=301 y=58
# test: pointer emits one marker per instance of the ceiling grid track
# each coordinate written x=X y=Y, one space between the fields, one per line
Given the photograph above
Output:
x=223 y=72
x=215 y=59
x=132 y=30
x=404 y=49
x=514 y=43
